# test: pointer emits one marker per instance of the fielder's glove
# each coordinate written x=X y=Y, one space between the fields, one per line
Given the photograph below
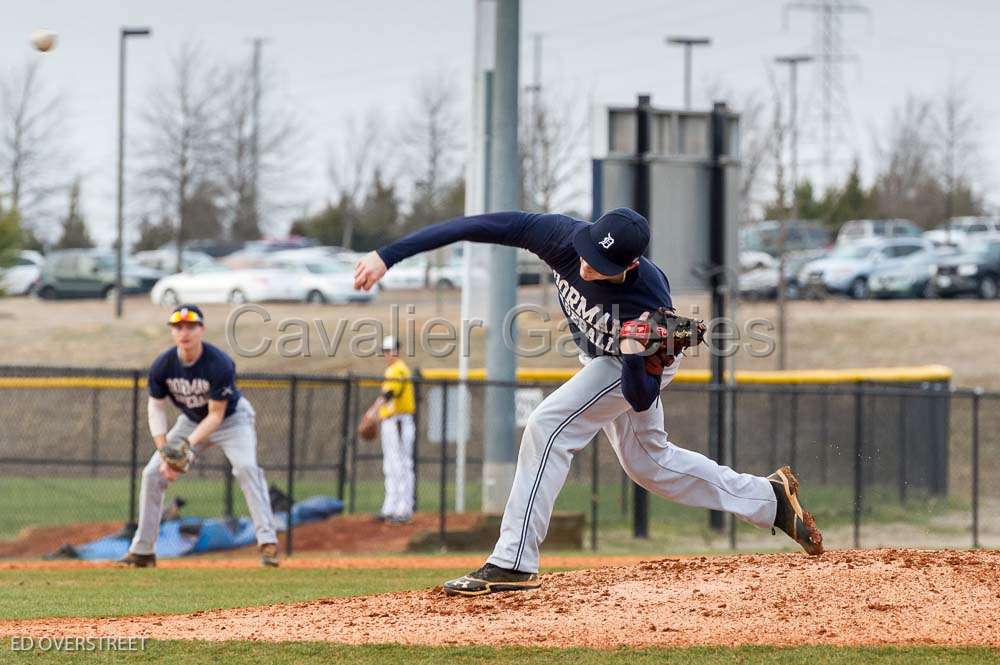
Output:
x=663 y=335
x=177 y=454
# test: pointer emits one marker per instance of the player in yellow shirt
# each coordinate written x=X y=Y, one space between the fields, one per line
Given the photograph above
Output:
x=395 y=411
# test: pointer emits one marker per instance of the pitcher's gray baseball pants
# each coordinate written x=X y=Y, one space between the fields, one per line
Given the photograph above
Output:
x=237 y=436
x=566 y=421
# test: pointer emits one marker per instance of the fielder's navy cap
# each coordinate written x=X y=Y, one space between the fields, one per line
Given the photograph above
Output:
x=186 y=314
x=614 y=241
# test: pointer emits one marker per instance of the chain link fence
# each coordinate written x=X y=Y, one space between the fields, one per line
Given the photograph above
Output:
x=882 y=465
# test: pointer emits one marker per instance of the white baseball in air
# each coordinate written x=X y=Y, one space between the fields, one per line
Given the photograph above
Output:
x=43 y=40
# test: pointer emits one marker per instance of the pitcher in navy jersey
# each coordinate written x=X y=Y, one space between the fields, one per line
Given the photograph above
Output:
x=200 y=380
x=603 y=281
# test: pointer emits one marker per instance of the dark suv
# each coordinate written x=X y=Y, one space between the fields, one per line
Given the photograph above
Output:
x=975 y=271
x=87 y=273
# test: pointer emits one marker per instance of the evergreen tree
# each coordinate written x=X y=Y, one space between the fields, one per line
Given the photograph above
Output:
x=74 y=227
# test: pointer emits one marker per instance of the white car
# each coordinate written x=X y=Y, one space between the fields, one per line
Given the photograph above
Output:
x=319 y=280
x=165 y=260
x=409 y=273
x=18 y=279
x=208 y=283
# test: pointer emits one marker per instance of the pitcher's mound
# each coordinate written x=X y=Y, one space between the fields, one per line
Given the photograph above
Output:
x=844 y=597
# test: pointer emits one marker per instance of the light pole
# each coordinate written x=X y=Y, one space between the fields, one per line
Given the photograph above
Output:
x=688 y=43
x=120 y=249
x=793 y=62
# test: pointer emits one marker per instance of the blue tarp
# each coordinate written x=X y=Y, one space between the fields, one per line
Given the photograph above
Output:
x=195 y=535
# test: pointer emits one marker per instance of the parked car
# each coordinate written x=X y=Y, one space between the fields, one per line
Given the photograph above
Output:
x=847 y=269
x=19 y=278
x=90 y=273
x=975 y=271
x=959 y=230
x=165 y=260
x=751 y=260
x=762 y=283
x=209 y=283
x=858 y=230
x=911 y=278
x=800 y=235
x=321 y=281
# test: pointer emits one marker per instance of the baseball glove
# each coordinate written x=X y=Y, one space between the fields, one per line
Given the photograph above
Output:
x=663 y=335
x=177 y=454
x=368 y=427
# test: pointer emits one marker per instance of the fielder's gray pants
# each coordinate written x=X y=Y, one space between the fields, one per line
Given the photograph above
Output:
x=566 y=421
x=237 y=437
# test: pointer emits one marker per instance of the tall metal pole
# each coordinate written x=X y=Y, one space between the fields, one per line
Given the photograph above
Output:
x=500 y=452
x=641 y=203
x=120 y=234
x=255 y=136
x=793 y=67
x=688 y=43
x=719 y=286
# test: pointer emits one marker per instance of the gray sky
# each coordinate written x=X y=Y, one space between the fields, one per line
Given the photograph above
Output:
x=337 y=58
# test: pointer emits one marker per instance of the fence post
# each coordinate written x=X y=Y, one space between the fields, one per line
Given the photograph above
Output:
x=442 y=508
x=975 y=466
x=901 y=448
x=292 y=403
x=227 y=497
x=353 y=480
x=824 y=433
x=134 y=454
x=417 y=395
x=793 y=435
x=733 y=438
x=858 y=458
x=594 y=492
x=345 y=424
x=95 y=429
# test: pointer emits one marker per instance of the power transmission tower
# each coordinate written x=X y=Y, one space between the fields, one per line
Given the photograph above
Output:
x=830 y=52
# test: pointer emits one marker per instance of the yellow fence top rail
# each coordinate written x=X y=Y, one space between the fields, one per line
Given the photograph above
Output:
x=546 y=375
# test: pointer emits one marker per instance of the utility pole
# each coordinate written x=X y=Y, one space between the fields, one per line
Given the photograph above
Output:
x=793 y=62
x=500 y=449
x=120 y=221
x=688 y=43
x=258 y=44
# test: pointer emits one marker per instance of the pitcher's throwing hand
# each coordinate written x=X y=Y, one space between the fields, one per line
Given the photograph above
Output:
x=368 y=271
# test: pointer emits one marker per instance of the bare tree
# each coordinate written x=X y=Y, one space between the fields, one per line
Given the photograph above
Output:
x=956 y=134
x=907 y=174
x=553 y=152
x=352 y=164
x=432 y=140
x=761 y=141
x=29 y=141
x=253 y=153
x=180 y=139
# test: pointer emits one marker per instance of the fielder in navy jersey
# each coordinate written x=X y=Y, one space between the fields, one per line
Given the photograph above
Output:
x=603 y=282
x=200 y=380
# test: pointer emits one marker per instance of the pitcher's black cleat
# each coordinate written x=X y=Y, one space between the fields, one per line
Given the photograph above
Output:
x=491 y=579
x=138 y=560
x=790 y=516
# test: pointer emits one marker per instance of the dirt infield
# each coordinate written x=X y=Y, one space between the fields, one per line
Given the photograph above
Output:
x=874 y=597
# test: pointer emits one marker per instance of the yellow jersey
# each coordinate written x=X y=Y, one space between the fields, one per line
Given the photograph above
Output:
x=397 y=382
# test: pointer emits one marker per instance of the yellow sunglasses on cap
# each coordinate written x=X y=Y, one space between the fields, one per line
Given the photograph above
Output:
x=184 y=315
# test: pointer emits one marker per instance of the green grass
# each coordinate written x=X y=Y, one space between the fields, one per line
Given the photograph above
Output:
x=123 y=592
x=53 y=501
x=211 y=653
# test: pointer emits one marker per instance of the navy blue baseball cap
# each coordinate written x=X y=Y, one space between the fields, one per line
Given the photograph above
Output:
x=614 y=241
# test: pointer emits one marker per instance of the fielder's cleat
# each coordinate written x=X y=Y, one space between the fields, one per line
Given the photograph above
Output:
x=138 y=560
x=491 y=579
x=790 y=516
x=269 y=555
